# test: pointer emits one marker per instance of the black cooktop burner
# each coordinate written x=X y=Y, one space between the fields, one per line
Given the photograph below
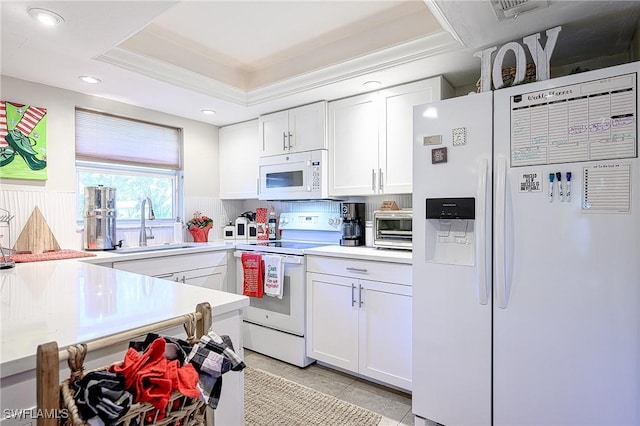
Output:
x=289 y=244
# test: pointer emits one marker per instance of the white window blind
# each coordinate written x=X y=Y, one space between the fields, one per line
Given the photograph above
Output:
x=106 y=138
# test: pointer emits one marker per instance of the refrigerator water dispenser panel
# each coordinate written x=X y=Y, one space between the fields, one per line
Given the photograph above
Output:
x=449 y=231
x=451 y=208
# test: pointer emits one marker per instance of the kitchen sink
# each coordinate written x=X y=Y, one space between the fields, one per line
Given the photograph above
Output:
x=143 y=249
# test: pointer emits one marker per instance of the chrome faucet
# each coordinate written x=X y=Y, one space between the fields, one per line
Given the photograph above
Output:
x=143 y=228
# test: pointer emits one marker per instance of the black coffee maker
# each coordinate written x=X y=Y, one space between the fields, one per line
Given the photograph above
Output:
x=352 y=224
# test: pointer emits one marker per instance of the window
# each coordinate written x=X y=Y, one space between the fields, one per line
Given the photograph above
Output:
x=136 y=158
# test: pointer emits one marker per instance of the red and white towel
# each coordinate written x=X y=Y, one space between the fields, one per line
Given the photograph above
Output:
x=252 y=270
x=273 y=284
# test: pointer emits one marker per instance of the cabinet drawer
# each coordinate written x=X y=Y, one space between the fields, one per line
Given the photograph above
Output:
x=168 y=264
x=361 y=269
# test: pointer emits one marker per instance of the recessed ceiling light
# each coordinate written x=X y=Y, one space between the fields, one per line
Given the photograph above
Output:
x=89 y=79
x=46 y=17
x=208 y=111
x=372 y=84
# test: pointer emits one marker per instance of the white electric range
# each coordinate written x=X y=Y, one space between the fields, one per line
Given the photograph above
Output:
x=276 y=327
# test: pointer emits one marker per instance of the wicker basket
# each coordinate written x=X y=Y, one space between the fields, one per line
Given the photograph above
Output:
x=180 y=411
x=509 y=75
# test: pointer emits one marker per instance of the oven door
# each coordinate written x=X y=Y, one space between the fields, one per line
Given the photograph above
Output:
x=286 y=314
x=392 y=230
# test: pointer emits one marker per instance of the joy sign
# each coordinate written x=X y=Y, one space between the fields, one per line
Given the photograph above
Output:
x=541 y=57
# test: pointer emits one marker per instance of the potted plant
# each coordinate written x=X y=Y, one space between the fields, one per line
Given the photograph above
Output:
x=199 y=227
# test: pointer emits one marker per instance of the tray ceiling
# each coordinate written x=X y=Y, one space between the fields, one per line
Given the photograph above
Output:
x=245 y=58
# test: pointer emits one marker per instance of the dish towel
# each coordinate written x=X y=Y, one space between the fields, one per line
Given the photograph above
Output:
x=273 y=276
x=211 y=357
x=252 y=270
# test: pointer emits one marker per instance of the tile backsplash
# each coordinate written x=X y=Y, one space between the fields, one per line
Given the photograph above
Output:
x=372 y=203
x=59 y=210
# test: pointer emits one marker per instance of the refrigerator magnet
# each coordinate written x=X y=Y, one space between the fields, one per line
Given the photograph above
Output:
x=531 y=182
x=439 y=155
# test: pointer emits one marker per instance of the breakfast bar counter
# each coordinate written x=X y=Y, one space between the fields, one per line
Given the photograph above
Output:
x=69 y=302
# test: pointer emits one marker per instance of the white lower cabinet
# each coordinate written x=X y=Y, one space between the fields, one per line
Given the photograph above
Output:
x=208 y=269
x=358 y=323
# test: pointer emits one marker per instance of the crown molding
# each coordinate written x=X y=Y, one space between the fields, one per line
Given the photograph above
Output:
x=441 y=17
x=404 y=53
x=414 y=50
x=173 y=74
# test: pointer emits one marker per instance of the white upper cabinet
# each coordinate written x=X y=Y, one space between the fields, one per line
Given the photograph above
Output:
x=239 y=153
x=296 y=130
x=353 y=145
x=370 y=138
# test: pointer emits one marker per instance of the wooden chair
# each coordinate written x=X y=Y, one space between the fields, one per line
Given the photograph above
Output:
x=49 y=391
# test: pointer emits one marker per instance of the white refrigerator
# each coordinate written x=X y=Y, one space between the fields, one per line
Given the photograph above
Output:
x=526 y=254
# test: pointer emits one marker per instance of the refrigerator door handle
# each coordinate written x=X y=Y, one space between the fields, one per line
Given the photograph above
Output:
x=481 y=234
x=499 y=226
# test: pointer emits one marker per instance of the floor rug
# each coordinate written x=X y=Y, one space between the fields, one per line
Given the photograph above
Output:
x=273 y=401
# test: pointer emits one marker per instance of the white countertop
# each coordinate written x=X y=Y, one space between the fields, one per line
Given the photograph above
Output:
x=114 y=255
x=364 y=253
x=70 y=301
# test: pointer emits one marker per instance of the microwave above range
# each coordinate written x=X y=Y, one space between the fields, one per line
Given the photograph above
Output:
x=393 y=229
x=298 y=176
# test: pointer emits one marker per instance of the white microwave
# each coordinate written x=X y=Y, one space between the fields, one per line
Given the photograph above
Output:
x=299 y=176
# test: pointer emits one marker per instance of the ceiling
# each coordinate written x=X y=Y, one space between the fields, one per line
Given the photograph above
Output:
x=246 y=58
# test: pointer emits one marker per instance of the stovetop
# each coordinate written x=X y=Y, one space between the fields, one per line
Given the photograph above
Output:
x=282 y=246
x=300 y=231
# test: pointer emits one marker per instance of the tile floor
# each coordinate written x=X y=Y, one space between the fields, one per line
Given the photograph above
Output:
x=393 y=405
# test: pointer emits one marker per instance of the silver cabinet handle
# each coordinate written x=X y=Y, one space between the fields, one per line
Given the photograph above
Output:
x=176 y=280
x=284 y=141
x=362 y=270
x=290 y=136
x=380 y=184
x=165 y=275
x=353 y=295
x=258 y=186
x=373 y=179
x=183 y=280
x=360 y=295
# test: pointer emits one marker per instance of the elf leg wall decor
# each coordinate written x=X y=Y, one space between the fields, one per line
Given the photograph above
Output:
x=23 y=141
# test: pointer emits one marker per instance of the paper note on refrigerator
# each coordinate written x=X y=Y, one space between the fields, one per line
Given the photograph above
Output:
x=606 y=188
x=594 y=120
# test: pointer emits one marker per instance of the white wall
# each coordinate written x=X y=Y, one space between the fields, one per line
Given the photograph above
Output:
x=635 y=44
x=200 y=156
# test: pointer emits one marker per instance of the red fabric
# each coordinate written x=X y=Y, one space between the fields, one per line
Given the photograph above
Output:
x=151 y=378
x=144 y=375
x=183 y=379
x=252 y=284
x=49 y=255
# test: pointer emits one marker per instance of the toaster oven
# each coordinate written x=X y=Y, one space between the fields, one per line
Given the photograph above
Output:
x=393 y=229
